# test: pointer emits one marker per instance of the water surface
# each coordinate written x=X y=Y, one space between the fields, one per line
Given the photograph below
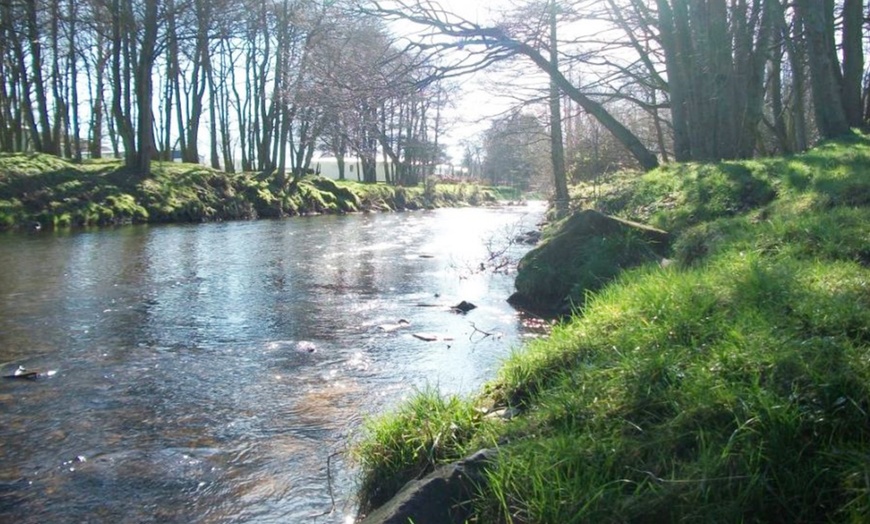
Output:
x=217 y=372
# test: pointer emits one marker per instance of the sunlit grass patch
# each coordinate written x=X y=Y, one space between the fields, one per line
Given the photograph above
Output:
x=32 y=164
x=56 y=193
x=789 y=229
x=676 y=196
x=711 y=393
x=427 y=430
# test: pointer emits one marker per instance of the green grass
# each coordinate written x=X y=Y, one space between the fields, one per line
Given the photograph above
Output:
x=48 y=190
x=727 y=392
x=383 y=197
x=43 y=189
x=731 y=386
x=676 y=196
x=426 y=431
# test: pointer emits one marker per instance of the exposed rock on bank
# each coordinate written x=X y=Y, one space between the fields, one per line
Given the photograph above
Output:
x=582 y=253
x=438 y=498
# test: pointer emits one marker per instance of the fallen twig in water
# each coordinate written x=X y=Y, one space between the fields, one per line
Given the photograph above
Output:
x=484 y=334
x=331 y=510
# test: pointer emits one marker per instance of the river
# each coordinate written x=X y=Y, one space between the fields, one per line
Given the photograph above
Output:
x=218 y=372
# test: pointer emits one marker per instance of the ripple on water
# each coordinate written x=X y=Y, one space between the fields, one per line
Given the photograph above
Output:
x=216 y=373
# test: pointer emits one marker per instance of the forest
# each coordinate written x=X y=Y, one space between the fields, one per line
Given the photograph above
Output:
x=256 y=86
x=261 y=85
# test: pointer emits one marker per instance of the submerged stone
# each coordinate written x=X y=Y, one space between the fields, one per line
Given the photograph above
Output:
x=464 y=307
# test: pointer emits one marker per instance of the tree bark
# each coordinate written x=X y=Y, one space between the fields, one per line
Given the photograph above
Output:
x=777 y=106
x=213 y=116
x=73 y=80
x=174 y=70
x=817 y=16
x=557 y=151
x=46 y=143
x=853 y=61
x=227 y=66
x=95 y=142
x=120 y=79
x=678 y=80
x=199 y=81
x=141 y=164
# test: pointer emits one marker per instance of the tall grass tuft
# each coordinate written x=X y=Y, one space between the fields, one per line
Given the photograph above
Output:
x=428 y=430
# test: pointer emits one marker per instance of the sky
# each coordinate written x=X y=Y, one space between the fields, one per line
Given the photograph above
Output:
x=486 y=95
x=477 y=103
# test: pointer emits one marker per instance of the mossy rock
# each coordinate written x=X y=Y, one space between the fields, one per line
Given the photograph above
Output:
x=345 y=198
x=582 y=253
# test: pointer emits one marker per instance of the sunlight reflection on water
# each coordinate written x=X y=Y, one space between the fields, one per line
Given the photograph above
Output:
x=211 y=373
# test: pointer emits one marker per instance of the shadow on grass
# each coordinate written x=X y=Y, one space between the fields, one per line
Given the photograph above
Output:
x=837 y=171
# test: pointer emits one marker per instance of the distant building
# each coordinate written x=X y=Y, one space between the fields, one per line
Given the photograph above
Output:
x=328 y=166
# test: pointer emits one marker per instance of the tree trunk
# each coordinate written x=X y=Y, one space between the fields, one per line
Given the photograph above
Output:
x=174 y=73
x=226 y=64
x=26 y=106
x=213 y=116
x=10 y=124
x=121 y=86
x=6 y=126
x=145 y=91
x=199 y=81
x=61 y=126
x=796 y=48
x=678 y=81
x=242 y=115
x=748 y=88
x=339 y=159
x=73 y=75
x=46 y=143
x=95 y=144
x=777 y=106
x=853 y=61
x=557 y=152
x=817 y=15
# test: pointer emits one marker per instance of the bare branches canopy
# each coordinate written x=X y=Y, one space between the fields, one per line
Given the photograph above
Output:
x=265 y=84
x=716 y=79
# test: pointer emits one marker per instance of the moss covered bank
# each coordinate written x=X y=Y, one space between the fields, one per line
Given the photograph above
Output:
x=730 y=385
x=45 y=191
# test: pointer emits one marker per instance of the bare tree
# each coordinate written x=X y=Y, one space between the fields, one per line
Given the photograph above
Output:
x=484 y=46
x=516 y=152
x=557 y=151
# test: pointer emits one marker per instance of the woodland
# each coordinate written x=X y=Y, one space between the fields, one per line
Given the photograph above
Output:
x=261 y=85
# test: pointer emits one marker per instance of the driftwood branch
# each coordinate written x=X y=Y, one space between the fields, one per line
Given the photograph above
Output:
x=483 y=334
x=331 y=510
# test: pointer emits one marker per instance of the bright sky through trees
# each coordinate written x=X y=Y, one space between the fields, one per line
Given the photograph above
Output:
x=480 y=97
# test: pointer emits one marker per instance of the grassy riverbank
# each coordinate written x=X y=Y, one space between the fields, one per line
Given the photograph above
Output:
x=53 y=193
x=731 y=385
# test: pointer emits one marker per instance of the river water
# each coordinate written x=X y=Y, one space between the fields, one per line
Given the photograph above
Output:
x=218 y=372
